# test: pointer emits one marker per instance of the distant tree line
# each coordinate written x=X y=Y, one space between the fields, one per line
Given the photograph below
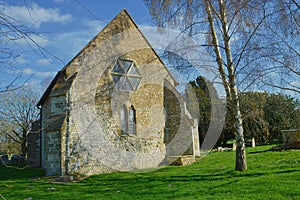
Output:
x=17 y=113
x=264 y=114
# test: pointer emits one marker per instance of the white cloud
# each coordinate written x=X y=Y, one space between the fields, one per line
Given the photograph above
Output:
x=94 y=25
x=29 y=71
x=40 y=40
x=295 y=83
x=21 y=60
x=58 y=1
x=45 y=74
x=74 y=41
x=34 y=14
x=43 y=61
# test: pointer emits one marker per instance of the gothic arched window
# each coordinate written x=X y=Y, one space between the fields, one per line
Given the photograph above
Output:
x=131 y=121
x=123 y=118
x=128 y=120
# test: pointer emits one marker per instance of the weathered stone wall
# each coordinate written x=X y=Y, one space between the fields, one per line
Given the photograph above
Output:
x=83 y=132
x=58 y=105
x=46 y=110
x=53 y=153
x=147 y=101
x=104 y=149
x=34 y=150
x=54 y=127
x=52 y=134
x=173 y=116
x=180 y=127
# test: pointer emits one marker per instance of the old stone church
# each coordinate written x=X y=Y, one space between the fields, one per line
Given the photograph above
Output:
x=113 y=107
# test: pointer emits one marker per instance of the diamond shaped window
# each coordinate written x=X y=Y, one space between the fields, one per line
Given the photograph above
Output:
x=134 y=82
x=118 y=68
x=126 y=64
x=133 y=71
x=126 y=74
x=116 y=78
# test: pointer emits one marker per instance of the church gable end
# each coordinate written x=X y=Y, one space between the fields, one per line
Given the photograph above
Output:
x=105 y=110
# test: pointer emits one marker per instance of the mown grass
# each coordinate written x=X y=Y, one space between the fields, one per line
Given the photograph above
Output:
x=270 y=175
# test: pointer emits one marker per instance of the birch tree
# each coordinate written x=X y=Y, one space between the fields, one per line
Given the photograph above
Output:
x=282 y=31
x=231 y=29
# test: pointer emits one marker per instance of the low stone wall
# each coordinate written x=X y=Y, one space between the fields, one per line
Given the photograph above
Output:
x=291 y=140
x=291 y=136
x=181 y=160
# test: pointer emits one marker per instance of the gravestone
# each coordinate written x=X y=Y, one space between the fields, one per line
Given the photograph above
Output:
x=233 y=146
x=253 y=142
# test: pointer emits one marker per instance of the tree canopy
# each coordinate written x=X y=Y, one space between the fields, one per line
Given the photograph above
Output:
x=17 y=113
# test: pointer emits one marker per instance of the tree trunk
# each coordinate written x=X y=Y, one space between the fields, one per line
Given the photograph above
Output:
x=217 y=50
x=241 y=163
x=230 y=85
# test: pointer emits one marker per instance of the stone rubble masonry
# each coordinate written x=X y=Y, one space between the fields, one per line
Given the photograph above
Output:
x=81 y=132
x=33 y=140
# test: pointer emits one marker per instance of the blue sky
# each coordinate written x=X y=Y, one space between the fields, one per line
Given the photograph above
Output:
x=64 y=27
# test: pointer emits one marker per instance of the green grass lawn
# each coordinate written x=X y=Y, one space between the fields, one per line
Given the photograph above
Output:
x=270 y=175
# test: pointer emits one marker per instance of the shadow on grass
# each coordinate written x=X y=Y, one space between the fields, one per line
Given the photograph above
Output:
x=258 y=152
x=164 y=183
x=258 y=174
x=19 y=172
x=168 y=184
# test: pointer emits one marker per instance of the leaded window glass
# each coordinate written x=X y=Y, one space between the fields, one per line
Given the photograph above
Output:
x=126 y=75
